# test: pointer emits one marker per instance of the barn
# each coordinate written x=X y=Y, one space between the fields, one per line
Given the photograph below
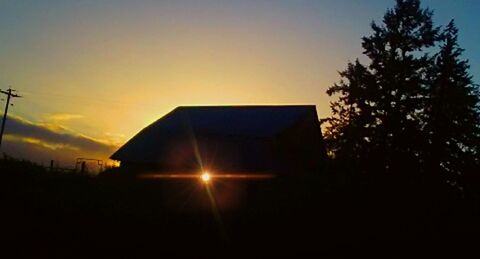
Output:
x=281 y=140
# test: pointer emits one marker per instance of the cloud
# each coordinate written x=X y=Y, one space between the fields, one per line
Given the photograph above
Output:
x=56 y=141
x=39 y=142
x=63 y=116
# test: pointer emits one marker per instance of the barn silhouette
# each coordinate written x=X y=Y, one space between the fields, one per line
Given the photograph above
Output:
x=283 y=140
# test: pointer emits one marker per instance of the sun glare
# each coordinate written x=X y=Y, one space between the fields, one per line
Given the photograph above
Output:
x=205 y=177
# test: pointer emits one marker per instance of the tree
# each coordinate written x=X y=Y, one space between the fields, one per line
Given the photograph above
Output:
x=453 y=113
x=347 y=130
x=377 y=119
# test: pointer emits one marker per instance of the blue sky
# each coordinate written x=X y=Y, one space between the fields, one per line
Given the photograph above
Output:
x=102 y=70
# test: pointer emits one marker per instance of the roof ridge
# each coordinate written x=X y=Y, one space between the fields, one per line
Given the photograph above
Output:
x=248 y=106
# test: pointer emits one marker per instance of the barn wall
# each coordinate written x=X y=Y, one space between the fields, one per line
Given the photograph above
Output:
x=300 y=149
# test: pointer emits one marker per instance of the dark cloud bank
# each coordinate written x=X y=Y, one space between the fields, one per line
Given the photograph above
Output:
x=49 y=143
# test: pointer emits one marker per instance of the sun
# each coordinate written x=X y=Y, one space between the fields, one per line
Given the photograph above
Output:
x=205 y=177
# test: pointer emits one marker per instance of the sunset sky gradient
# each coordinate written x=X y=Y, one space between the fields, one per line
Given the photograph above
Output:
x=99 y=71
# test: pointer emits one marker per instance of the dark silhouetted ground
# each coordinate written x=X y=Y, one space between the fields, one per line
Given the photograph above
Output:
x=46 y=214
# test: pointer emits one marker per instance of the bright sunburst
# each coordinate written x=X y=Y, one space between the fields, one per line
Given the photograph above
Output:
x=205 y=177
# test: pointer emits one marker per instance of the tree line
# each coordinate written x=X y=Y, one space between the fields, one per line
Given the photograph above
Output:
x=412 y=113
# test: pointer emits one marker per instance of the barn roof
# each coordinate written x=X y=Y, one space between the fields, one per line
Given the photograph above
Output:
x=239 y=121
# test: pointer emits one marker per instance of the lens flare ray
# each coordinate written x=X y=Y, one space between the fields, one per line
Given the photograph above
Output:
x=207 y=175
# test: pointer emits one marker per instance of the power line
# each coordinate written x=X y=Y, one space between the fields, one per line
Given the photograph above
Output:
x=9 y=93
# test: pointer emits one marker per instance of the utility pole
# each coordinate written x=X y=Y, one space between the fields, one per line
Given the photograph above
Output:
x=9 y=93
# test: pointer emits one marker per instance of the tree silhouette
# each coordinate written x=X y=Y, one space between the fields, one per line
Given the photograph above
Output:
x=348 y=131
x=453 y=123
x=390 y=115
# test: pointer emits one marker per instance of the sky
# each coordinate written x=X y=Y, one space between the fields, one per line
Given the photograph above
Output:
x=94 y=73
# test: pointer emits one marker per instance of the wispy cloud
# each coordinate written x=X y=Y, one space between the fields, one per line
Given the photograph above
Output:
x=63 y=116
x=40 y=143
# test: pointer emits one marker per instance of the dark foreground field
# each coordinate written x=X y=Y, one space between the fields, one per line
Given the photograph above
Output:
x=47 y=214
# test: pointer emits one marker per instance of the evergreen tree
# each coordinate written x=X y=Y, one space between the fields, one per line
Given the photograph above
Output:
x=347 y=131
x=453 y=123
x=378 y=115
